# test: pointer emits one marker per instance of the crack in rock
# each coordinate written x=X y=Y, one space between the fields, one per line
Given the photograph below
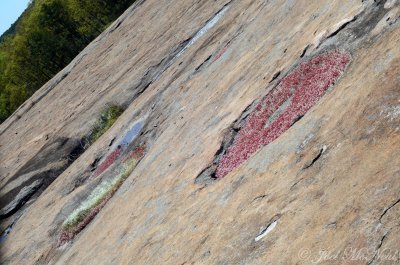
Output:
x=342 y=26
x=276 y=75
x=305 y=51
x=315 y=159
x=388 y=209
x=378 y=248
x=260 y=197
x=202 y=64
x=271 y=226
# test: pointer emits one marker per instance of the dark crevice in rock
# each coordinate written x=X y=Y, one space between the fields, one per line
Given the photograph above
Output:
x=113 y=139
x=315 y=159
x=117 y=26
x=297 y=119
x=146 y=86
x=276 y=75
x=208 y=175
x=268 y=228
x=295 y=184
x=304 y=51
x=202 y=64
x=260 y=197
x=95 y=163
x=359 y=26
x=378 y=248
x=6 y=232
x=388 y=209
x=342 y=27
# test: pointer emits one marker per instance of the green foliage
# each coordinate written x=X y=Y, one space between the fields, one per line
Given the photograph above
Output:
x=47 y=36
x=105 y=121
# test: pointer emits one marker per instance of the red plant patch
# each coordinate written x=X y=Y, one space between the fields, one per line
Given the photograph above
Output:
x=283 y=106
x=68 y=234
x=136 y=154
x=107 y=162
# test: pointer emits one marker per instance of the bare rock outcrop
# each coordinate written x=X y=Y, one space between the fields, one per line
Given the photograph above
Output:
x=255 y=132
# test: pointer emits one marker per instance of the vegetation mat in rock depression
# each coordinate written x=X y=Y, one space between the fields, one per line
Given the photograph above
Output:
x=115 y=154
x=97 y=199
x=283 y=106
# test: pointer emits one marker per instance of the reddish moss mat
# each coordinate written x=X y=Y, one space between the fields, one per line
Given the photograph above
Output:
x=135 y=154
x=110 y=159
x=283 y=106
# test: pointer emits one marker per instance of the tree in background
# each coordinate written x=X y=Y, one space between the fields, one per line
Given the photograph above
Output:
x=47 y=36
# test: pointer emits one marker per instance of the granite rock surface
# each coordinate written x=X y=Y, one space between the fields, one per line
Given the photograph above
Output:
x=190 y=73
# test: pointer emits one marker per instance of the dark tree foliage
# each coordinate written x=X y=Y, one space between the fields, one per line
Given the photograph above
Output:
x=44 y=39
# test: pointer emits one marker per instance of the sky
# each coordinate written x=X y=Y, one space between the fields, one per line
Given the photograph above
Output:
x=10 y=10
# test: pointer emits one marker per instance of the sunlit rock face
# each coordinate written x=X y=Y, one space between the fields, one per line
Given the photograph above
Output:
x=289 y=111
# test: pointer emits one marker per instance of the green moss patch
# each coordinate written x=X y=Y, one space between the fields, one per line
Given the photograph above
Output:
x=105 y=121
